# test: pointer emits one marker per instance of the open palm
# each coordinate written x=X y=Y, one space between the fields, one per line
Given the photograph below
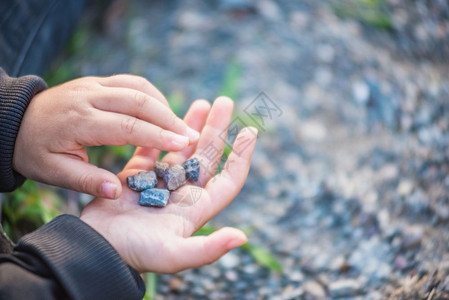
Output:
x=160 y=239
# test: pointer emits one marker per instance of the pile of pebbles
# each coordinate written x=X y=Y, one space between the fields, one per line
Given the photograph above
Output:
x=174 y=177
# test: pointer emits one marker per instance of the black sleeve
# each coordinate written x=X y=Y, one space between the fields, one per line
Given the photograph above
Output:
x=15 y=95
x=67 y=259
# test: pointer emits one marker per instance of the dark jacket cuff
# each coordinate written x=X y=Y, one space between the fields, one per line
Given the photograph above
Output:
x=15 y=95
x=82 y=261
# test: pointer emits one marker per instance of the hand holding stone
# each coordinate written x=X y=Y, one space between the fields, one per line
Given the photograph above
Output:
x=92 y=111
x=160 y=239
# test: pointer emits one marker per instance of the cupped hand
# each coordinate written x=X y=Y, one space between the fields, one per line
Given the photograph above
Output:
x=92 y=111
x=160 y=239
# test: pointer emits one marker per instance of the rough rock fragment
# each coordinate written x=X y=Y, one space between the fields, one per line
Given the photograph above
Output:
x=175 y=177
x=192 y=167
x=161 y=168
x=154 y=197
x=142 y=181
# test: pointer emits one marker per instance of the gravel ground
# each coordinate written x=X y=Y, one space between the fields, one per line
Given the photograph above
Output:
x=349 y=182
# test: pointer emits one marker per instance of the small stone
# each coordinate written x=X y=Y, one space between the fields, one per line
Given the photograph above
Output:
x=345 y=288
x=154 y=197
x=208 y=284
x=229 y=260
x=442 y=212
x=290 y=292
x=142 y=181
x=177 y=284
x=198 y=291
x=296 y=276
x=412 y=237
x=405 y=187
x=175 y=177
x=314 y=289
x=337 y=264
x=161 y=168
x=231 y=275
x=400 y=262
x=192 y=167
x=250 y=269
x=360 y=92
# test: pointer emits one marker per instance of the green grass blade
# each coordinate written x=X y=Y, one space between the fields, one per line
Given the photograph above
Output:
x=263 y=257
x=231 y=80
x=150 y=284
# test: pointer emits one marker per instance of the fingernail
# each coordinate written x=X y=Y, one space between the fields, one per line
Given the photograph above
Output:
x=254 y=130
x=180 y=140
x=192 y=134
x=235 y=243
x=109 y=190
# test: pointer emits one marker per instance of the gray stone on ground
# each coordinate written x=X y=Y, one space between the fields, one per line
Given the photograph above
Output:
x=142 y=181
x=229 y=261
x=154 y=197
x=345 y=288
x=314 y=290
x=175 y=177
x=161 y=168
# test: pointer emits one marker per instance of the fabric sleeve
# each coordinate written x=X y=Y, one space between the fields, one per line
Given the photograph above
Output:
x=63 y=259
x=15 y=95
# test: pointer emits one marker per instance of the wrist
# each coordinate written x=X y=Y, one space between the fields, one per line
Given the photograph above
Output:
x=15 y=95
x=77 y=256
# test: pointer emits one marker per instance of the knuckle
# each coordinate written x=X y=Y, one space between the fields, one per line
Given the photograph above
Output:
x=128 y=125
x=140 y=81
x=140 y=100
x=173 y=120
x=80 y=89
x=117 y=76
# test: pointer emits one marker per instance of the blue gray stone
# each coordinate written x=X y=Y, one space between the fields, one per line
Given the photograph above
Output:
x=192 y=167
x=175 y=177
x=161 y=168
x=142 y=181
x=154 y=197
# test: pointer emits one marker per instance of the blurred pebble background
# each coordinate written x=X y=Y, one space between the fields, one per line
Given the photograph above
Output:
x=348 y=191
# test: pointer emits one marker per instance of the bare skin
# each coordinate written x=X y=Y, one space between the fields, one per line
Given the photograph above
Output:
x=160 y=239
x=91 y=111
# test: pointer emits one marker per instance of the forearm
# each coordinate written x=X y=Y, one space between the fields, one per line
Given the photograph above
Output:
x=15 y=95
x=67 y=259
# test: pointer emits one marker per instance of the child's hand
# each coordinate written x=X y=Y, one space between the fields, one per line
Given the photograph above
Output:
x=91 y=111
x=160 y=239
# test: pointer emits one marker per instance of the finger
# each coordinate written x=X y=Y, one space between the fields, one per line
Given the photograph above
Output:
x=75 y=174
x=143 y=159
x=195 y=118
x=118 y=129
x=224 y=187
x=140 y=105
x=198 y=251
x=134 y=82
x=213 y=138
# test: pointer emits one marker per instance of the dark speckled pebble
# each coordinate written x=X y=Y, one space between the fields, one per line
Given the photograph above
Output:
x=192 y=167
x=142 y=181
x=154 y=197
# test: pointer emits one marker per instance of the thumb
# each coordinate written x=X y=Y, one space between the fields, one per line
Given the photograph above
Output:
x=86 y=178
x=202 y=250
